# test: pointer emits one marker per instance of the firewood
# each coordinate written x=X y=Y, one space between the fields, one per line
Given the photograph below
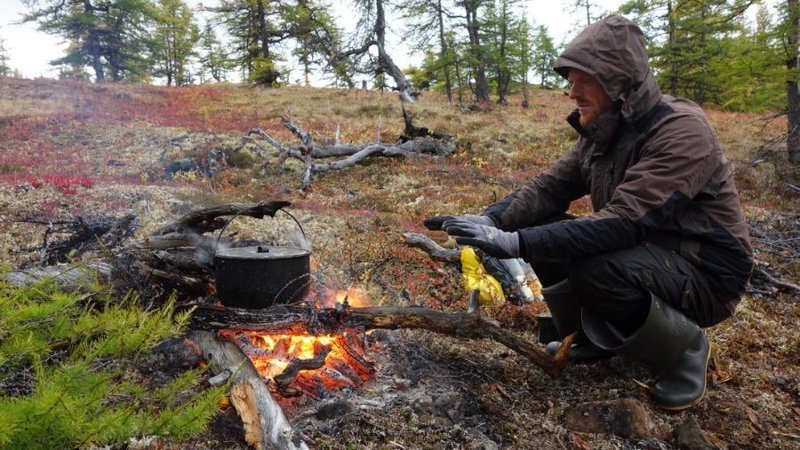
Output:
x=429 y=246
x=284 y=379
x=297 y=319
x=266 y=427
x=205 y=220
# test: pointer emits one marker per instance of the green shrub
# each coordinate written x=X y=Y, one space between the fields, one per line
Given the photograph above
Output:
x=80 y=351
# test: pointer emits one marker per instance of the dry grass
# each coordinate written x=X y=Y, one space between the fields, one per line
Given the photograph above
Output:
x=121 y=136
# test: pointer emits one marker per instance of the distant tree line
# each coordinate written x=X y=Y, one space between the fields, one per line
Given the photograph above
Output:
x=473 y=50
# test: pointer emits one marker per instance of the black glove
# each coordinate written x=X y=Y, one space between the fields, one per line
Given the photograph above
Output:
x=437 y=222
x=497 y=243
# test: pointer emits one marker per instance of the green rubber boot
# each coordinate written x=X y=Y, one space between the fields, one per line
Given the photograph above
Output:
x=671 y=345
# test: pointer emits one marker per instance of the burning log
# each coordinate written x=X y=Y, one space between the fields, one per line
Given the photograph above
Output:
x=314 y=321
x=264 y=422
x=284 y=379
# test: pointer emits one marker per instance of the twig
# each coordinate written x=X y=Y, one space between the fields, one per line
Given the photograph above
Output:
x=788 y=287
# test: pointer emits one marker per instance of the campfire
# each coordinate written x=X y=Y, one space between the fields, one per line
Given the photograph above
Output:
x=297 y=362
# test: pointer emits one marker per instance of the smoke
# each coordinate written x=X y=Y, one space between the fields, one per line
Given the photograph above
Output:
x=301 y=240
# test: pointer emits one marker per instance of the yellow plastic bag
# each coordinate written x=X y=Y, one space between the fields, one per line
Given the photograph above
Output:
x=476 y=277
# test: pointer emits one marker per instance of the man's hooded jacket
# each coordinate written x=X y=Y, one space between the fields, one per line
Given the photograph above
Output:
x=652 y=165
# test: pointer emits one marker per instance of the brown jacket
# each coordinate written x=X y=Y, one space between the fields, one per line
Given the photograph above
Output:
x=653 y=167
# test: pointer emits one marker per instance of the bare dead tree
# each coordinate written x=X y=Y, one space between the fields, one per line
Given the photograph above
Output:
x=376 y=37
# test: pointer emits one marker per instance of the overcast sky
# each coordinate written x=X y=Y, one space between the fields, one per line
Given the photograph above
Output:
x=30 y=50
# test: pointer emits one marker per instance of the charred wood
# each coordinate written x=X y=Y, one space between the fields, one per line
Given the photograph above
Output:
x=65 y=240
x=206 y=220
x=284 y=379
x=69 y=278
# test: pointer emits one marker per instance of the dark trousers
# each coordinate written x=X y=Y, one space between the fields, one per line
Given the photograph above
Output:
x=617 y=286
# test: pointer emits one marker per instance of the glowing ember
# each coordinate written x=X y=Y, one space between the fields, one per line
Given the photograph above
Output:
x=345 y=365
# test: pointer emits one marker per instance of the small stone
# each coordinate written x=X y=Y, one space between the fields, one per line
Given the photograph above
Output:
x=689 y=436
x=626 y=418
x=333 y=410
x=443 y=422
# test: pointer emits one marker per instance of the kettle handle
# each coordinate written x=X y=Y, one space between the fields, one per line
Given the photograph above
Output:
x=222 y=230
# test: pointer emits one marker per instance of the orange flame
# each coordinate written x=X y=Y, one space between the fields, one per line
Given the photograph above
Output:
x=356 y=297
x=345 y=365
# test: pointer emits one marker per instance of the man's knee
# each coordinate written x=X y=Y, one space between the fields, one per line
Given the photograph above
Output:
x=598 y=274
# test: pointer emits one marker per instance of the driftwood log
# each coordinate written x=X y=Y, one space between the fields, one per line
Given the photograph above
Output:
x=298 y=319
x=265 y=425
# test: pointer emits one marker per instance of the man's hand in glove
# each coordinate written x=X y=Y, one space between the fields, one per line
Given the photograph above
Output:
x=497 y=243
x=437 y=222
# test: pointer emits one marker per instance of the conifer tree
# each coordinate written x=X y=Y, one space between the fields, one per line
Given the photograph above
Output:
x=499 y=23
x=110 y=36
x=544 y=57
x=174 y=40
x=690 y=42
x=790 y=30
x=5 y=69
x=258 y=29
x=428 y=22
x=213 y=58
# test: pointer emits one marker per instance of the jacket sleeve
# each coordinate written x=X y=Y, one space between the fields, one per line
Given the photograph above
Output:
x=548 y=194
x=674 y=166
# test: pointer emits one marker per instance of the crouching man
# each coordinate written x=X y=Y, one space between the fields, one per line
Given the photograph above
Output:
x=666 y=251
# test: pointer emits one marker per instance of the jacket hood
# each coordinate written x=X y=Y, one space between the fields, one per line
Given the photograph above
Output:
x=613 y=51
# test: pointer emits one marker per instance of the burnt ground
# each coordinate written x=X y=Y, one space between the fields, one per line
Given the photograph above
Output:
x=430 y=391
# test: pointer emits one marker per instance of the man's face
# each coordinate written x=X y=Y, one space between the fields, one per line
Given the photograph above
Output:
x=589 y=95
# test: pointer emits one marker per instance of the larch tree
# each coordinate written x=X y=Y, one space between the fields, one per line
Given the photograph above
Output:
x=316 y=36
x=5 y=69
x=522 y=56
x=689 y=42
x=174 y=40
x=109 y=36
x=498 y=24
x=476 y=50
x=544 y=55
x=428 y=23
x=214 y=60
x=371 y=34
x=258 y=29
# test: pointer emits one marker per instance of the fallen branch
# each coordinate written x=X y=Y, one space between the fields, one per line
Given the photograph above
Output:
x=205 y=220
x=265 y=425
x=436 y=251
x=779 y=284
x=285 y=318
x=418 y=140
